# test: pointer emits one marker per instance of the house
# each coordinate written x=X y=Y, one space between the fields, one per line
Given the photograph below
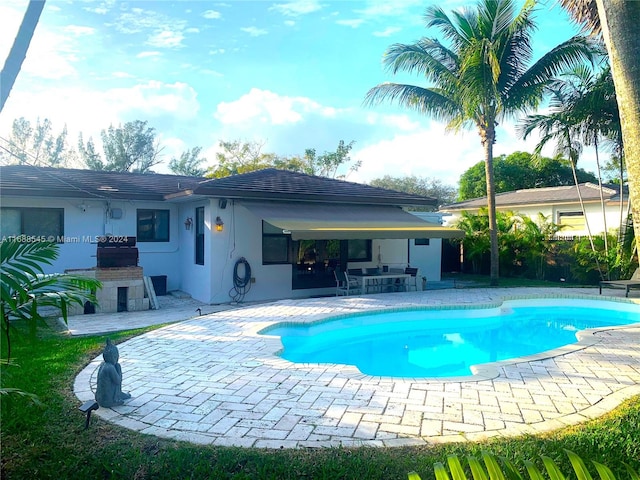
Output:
x=264 y=235
x=560 y=205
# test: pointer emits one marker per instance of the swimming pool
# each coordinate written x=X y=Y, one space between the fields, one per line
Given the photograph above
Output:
x=436 y=343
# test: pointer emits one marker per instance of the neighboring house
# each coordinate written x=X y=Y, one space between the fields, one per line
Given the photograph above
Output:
x=292 y=229
x=560 y=205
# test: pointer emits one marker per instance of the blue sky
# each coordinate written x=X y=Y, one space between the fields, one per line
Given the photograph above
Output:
x=291 y=75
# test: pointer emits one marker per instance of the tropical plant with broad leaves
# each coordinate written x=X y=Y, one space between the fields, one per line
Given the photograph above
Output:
x=492 y=470
x=482 y=74
x=524 y=244
x=26 y=289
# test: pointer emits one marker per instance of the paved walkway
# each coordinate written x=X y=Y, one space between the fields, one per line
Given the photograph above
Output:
x=212 y=380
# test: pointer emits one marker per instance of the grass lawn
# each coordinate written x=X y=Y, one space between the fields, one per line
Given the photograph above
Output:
x=49 y=440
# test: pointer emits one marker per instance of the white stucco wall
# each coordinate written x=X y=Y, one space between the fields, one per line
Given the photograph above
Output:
x=428 y=258
x=209 y=283
x=242 y=237
x=82 y=226
x=196 y=279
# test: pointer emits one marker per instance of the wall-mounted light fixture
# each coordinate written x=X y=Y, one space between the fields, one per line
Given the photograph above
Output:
x=187 y=223
x=219 y=224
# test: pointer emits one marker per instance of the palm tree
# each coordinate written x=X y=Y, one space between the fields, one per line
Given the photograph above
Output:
x=618 y=22
x=25 y=289
x=560 y=126
x=583 y=109
x=480 y=77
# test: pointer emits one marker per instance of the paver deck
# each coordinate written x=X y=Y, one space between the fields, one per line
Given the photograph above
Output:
x=212 y=380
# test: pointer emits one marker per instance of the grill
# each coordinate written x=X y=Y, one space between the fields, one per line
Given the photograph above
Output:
x=117 y=252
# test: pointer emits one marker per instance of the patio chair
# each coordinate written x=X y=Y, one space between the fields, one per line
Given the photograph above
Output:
x=373 y=283
x=346 y=286
x=413 y=281
x=632 y=283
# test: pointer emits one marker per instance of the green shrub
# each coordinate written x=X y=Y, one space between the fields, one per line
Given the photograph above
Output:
x=493 y=471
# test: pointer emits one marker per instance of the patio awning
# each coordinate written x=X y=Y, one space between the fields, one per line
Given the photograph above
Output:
x=315 y=221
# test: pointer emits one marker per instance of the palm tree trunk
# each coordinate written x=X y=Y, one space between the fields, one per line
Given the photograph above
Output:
x=619 y=20
x=604 y=212
x=584 y=213
x=622 y=222
x=19 y=49
x=488 y=138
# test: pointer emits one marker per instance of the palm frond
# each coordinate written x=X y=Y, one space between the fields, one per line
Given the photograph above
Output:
x=421 y=99
x=494 y=471
x=427 y=58
x=24 y=287
x=561 y=58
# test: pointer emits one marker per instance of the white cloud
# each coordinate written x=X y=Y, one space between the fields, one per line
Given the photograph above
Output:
x=156 y=98
x=353 y=23
x=400 y=122
x=162 y=31
x=102 y=9
x=289 y=23
x=266 y=107
x=11 y=19
x=78 y=30
x=97 y=10
x=51 y=56
x=217 y=51
x=211 y=14
x=166 y=39
x=297 y=8
x=386 y=32
x=426 y=153
x=254 y=31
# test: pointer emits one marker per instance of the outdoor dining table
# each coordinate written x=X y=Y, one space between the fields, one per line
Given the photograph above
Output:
x=378 y=280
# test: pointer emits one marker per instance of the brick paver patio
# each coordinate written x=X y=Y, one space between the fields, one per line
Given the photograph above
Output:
x=213 y=380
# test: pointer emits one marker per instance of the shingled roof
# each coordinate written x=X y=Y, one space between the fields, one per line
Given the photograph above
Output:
x=542 y=196
x=267 y=184
x=276 y=184
x=29 y=181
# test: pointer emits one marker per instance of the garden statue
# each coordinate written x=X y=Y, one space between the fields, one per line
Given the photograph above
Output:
x=109 y=387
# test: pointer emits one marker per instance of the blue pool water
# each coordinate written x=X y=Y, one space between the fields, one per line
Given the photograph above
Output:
x=444 y=343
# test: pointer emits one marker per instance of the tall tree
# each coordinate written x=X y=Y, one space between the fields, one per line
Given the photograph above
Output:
x=37 y=144
x=425 y=186
x=329 y=163
x=517 y=171
x=481 y=75
x=618 y=22
x=189 y=163
x=239 y=156
x=242 y=156
x=560 y=126
x=131 y=147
